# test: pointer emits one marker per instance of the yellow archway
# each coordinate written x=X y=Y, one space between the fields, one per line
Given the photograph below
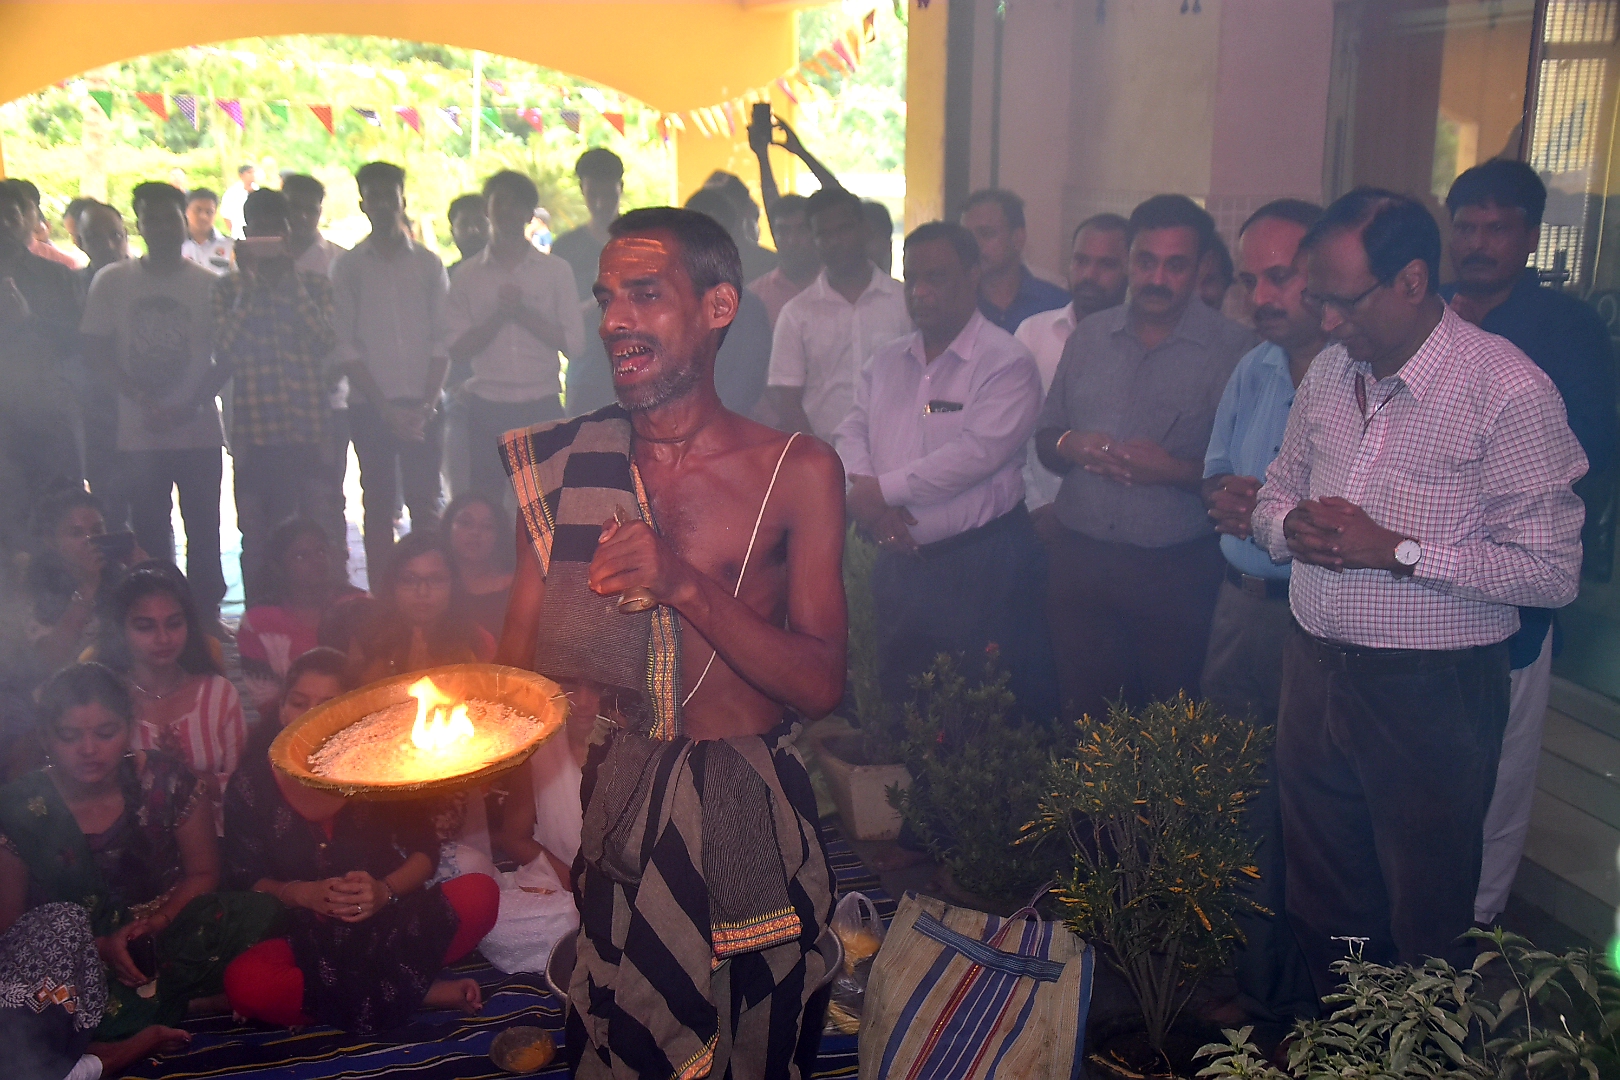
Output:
x=673 y=55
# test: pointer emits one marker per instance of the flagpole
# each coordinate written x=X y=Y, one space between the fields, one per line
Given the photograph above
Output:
x=478 y=99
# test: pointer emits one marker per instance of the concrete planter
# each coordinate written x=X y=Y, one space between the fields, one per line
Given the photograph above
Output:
x=860 y=790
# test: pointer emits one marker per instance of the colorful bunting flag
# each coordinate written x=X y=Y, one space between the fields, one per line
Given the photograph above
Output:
x=104 y=99
x=787 y=91
x=452 y=116
x=409 y=114
x=188 y=108
x=278 y=109
x=731 y=120
x=154 y=102
x=842 y=50
x=491 y=117
x=535 y=118
x=368 y=115
x=571 y=118
x=616 y=119
x=496 y=87
x=593 y=98
x=232 y=107
x=323 y=113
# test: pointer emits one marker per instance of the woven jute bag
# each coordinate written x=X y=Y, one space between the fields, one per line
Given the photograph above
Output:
x=956 y=994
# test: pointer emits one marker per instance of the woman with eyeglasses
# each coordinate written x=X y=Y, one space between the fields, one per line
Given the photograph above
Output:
x=480 y=533
x=418 y=619
x=301 y=587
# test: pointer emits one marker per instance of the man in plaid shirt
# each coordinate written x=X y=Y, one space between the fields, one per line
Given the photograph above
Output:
x=1422 y=490
x=273 y=334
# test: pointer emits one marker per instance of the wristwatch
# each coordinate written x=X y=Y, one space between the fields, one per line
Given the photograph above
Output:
x=1408 y=552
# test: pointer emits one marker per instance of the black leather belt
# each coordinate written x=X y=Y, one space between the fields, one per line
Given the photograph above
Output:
x=1262 y=588
x=1008 y=521
x=1355 y=659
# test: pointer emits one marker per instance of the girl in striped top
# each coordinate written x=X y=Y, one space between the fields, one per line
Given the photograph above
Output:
x=184 y=704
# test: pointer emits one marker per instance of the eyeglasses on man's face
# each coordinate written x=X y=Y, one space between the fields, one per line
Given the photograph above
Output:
x=1343 y=306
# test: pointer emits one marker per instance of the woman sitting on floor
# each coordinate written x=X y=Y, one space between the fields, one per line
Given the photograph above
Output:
x=300 y=587
x=364 y=940
x=184 y=704
x=418 y=620
x=129 y=836
x=482 y=549
x=68 y=574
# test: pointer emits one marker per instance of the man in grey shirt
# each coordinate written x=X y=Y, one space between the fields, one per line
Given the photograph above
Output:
x=1137 y=565
x=389 y=296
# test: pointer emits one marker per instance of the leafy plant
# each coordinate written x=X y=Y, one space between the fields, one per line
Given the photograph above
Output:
x=1557 y=1021
x=1151 y=802
x=977 y=776
x=882 y=728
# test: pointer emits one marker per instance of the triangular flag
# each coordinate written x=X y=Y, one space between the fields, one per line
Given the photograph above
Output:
x=869 y=25
x=232 y=107
x=491 y=117
x=452 y=116
x=368 y=115
x=278 y=109
x=154 y=102
x=496 y=86
x=571 y=118
x=104 y=99
x=731 y=120
x=616 y=119
x=594 y=97
x=323 y=113
x=787 y=91
x=702 y=126
x=409 y=114
x=536 y=119
x=188 y=108
x=843 y=54
x=663 y=129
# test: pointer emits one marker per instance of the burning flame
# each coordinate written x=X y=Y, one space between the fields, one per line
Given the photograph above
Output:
x=437 y=728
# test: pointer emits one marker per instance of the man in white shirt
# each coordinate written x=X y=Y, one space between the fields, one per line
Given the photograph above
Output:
x=934 y=450
x=204 y=244
x=389 y=294
x=149 y=329
x=314 y=253
x=512 y=311
x=1097 y=282
x=230 y=208
x=825 y=335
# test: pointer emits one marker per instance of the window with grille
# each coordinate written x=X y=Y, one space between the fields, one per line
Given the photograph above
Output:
x=1565 y=137
x=1581 y=22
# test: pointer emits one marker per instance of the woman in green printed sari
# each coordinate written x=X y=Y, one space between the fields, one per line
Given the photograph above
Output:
x=128 y=836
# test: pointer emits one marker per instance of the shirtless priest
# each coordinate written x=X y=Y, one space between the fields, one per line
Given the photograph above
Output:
x=701 y=880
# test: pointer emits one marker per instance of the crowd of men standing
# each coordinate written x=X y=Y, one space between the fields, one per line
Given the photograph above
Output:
x=1349 y=515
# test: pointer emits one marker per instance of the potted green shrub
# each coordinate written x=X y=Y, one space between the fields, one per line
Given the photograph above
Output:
x=1555 y=1018
x=1151 y=801
x=861 y=760
x=979 y=774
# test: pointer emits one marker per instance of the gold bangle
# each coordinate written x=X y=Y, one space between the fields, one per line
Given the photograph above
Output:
x=1060 y=438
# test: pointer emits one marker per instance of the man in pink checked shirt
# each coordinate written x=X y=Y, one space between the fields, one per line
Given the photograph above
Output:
x=1422 y=490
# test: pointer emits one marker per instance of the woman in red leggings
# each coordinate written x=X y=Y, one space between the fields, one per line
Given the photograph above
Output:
x=364 y=939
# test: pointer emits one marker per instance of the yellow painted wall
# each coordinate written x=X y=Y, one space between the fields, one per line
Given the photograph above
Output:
x=925 y=113
x=670 y=55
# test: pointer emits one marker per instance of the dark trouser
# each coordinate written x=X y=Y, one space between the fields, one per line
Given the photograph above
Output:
x=980 y=588
x=272 y=484
x=1386 y=760
x=150 y=476
x=388 y=464
x=1243 y=675
x=99 y=409
x=1130 y=621
x=331 y=508
x=487 y=421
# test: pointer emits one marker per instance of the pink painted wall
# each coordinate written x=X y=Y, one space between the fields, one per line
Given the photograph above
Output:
x=1271 y=94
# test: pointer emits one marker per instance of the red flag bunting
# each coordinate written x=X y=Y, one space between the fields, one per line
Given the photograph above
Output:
x=409 y=114
x=616 y=119
x=155 y=102
x=535 y=118
x=323 y=113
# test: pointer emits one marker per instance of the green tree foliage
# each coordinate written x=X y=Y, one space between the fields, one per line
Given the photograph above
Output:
x=61 y=140
x=863 y=127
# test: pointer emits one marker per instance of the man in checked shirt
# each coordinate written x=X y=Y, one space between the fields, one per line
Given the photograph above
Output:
x=1422 y=490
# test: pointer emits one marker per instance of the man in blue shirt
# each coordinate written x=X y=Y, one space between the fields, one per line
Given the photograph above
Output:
x=1008 y=292
x=1243 y=668
x=1495 y=227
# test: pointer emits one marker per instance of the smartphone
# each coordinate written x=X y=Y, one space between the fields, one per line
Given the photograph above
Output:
x=143 y=951
x=115 y=546
x=762 y=115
